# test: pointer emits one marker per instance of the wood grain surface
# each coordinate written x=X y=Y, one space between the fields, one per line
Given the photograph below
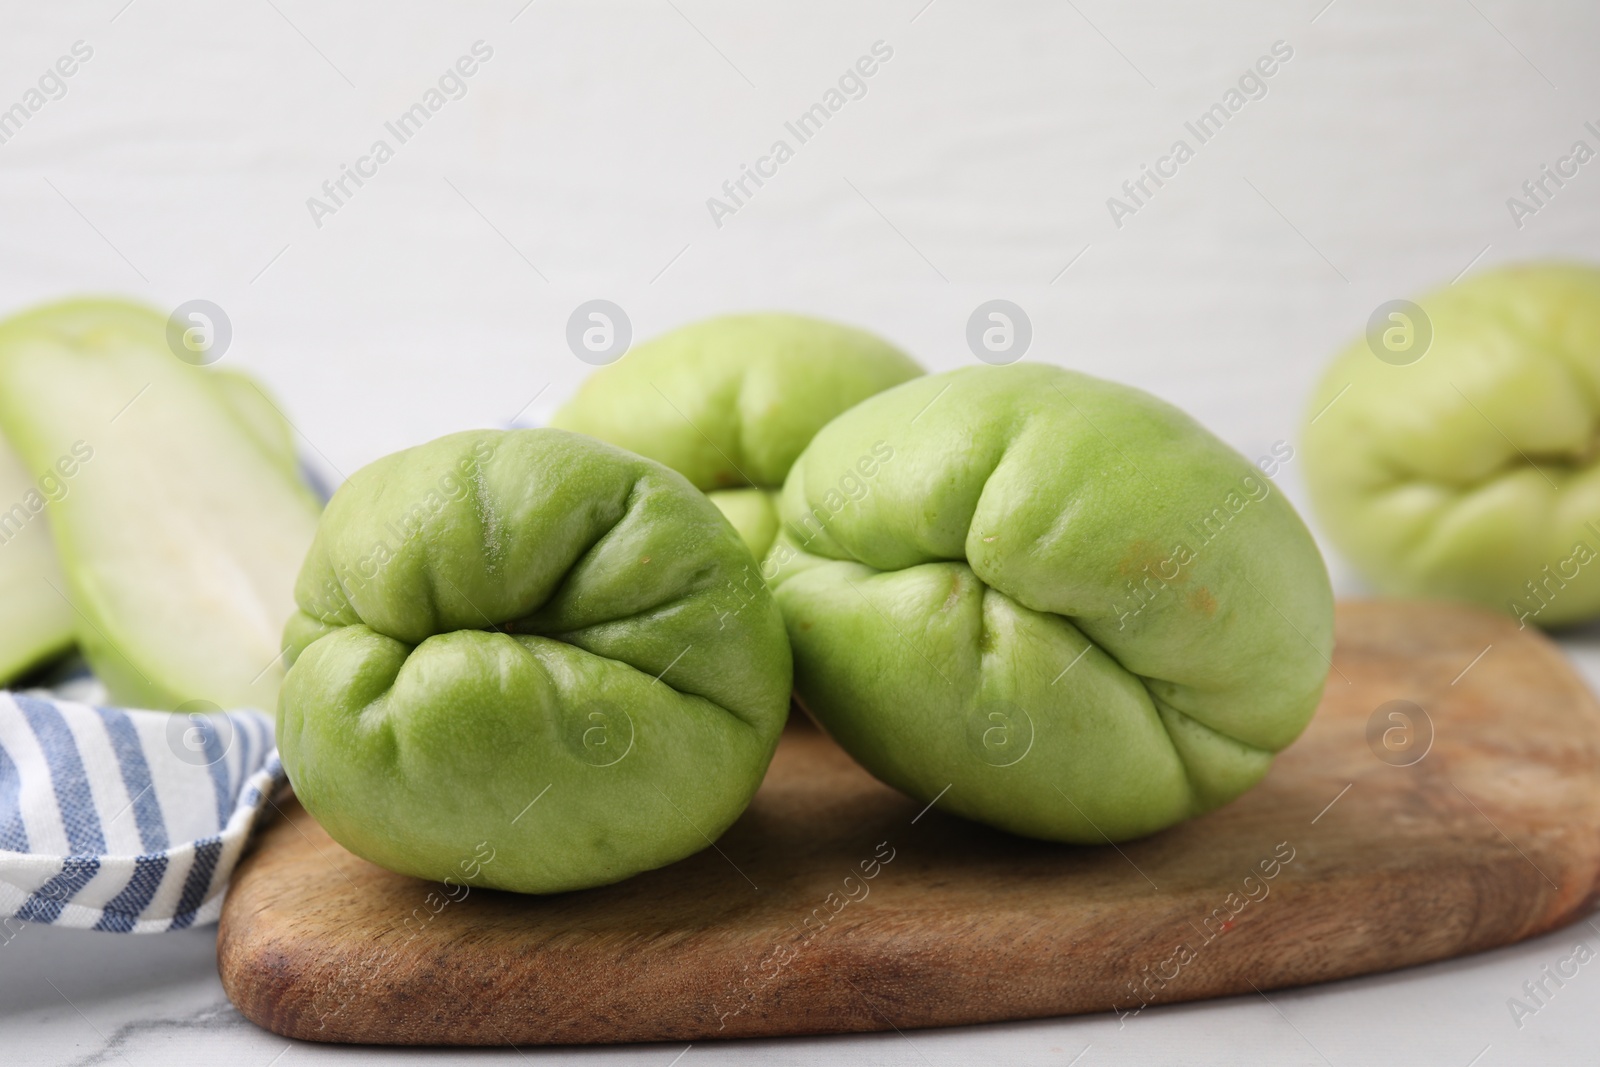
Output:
x=836 y=904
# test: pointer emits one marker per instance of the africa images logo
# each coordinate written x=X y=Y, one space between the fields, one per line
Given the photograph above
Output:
x=1251 y=85
x=451 y=85
x=852 y=85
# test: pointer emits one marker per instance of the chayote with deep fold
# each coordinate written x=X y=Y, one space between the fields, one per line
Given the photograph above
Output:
x=1048 y=602
x=533 y=641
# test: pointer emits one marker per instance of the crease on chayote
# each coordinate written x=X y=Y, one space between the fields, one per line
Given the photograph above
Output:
x=1003 y=595
x=500 y=612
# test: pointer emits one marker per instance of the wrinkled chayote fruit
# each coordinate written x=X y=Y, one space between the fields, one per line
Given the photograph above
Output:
x=730 y=403
x=179 y=519
x=1048 y=602
x=36 y=620
x=1464 y=461
x=498 y=619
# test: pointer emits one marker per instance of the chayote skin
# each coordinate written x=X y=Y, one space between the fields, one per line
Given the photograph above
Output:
x=1472 y=472
x=1047 y=602
x=498 y=619
x=730 y=403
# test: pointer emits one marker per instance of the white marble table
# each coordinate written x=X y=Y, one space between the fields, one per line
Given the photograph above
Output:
x=81 y=999
x=179 y=161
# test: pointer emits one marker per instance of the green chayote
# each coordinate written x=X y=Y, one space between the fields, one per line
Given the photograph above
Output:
x=532 y=642
x=1464 y=461
x=1048 y=602
x=730 y=403
x=176 y=509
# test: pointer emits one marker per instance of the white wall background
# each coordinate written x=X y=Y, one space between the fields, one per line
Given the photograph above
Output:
x=179 y=161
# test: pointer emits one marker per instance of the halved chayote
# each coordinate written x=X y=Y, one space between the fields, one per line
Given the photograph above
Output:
x=36 y=620
x=1456 y=453
x=730 y=402
x=536 y=642
x=1048 y=602
x=183 y=521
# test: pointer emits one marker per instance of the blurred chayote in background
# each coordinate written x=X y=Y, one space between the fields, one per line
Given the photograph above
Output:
x=1454 y=451
x=730 y=402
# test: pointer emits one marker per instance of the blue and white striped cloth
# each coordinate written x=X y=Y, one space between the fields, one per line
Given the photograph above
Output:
x=121 y=820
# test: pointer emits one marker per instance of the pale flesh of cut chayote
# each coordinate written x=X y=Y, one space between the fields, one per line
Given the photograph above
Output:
x=36 y=620
x=181 y=538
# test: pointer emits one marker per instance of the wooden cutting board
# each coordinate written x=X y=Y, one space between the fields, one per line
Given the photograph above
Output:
x=836 y=904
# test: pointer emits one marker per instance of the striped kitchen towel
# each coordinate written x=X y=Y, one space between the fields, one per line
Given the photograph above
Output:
x=120 y=820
